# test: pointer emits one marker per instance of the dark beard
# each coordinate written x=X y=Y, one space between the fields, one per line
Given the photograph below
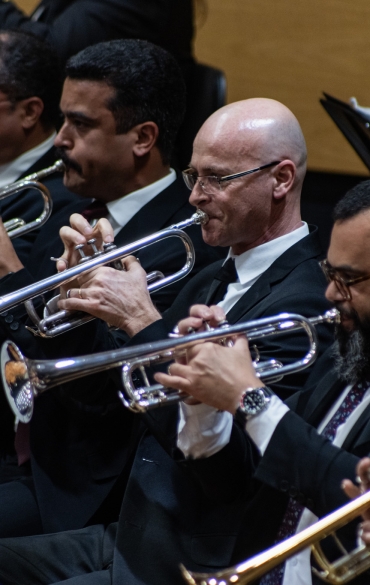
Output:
x=351 y=351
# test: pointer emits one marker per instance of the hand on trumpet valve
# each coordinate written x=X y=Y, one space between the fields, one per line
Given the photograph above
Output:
x=81 y=240
x=213 y=374
x=201 y=318
x=353 y=491
x=120 y=298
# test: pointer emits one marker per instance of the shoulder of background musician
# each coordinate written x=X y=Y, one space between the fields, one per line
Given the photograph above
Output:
x=28 y=205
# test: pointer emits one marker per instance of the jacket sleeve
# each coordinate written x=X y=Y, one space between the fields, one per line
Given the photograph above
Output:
x=305 y=465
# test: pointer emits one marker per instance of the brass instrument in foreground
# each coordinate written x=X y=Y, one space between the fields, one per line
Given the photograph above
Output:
x=24 y=379
x=17 y=226
x=64 y=320
x=337 y=573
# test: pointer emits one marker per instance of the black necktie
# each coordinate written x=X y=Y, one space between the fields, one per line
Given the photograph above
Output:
x=225 y=276
x=95 y=210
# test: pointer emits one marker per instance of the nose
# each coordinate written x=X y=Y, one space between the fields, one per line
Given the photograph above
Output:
x=62 y=139
x=197 y=196
x=333 y=294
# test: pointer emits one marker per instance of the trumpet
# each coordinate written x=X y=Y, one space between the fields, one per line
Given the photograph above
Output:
x=17 y=226
x=63 y=320
x=339 y=572
x=24 y=379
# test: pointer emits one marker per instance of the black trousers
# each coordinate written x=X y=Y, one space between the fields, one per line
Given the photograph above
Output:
x=19 y=512
x=74 y=557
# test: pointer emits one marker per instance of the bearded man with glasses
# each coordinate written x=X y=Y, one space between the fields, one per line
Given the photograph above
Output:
x=307 y=447
x=246 y=173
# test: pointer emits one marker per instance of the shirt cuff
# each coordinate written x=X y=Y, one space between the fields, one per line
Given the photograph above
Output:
x=260 y=428
x=202 y=430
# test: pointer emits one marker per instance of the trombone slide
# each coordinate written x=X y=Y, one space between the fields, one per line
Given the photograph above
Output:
x=260 y=564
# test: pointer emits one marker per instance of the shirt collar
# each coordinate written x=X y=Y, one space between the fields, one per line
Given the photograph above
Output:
x=254 y=262
x=11 y=171
x=123 y=209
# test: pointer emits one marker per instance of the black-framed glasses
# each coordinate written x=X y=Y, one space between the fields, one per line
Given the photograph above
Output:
x=340 y=282
x=211 y=184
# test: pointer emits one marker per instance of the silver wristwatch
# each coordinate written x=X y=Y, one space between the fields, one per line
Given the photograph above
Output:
x=254 y=401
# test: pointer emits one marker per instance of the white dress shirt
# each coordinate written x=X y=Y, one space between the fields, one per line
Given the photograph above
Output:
x=10 y=172
x=123 y=209
x=195 y=437
x=252 y=263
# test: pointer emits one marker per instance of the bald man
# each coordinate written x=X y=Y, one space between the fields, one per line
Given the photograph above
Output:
x=246 y=173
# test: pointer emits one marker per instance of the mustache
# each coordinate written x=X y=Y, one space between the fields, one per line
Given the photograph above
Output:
x=348 y=313
x=69 y=162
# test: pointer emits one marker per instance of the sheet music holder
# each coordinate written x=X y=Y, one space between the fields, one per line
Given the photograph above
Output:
x=354 y=125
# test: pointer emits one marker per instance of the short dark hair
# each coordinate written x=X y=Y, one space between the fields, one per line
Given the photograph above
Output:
x=147 y=81
x=30 y=67
x=355 y=201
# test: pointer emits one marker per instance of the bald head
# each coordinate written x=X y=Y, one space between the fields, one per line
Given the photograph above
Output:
x=248 y=210
x=261 y=129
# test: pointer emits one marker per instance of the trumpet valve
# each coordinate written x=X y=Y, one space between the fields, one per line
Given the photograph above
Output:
x=80 y=249
x=96 y=252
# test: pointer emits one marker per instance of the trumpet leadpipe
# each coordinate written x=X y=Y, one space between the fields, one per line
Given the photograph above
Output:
x=48 y=284
x=24 y=378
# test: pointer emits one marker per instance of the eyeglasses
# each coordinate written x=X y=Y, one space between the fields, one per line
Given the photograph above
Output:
x=211 y=184
x=341 y=283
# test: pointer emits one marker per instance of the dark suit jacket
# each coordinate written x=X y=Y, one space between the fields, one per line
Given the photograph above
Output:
x=28 y=205
x=200 y=508
x=294 y=283
x=72 y=25
x=80 y=435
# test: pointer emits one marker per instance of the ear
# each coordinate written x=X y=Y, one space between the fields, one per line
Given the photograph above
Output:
x=146 y=138
x=284 y=178
x=31 y=110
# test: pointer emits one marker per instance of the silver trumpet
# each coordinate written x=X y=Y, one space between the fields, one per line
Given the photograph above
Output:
x=64 y=320
x=24 y=379
x=342 y=571
x=16 y=227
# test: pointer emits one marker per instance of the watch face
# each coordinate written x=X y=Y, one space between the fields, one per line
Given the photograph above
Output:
x=254 y=401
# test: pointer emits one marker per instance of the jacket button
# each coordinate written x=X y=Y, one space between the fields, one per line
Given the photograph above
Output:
x=284 y=485
x=14 y=326
x=293 y=492
x=9 y=319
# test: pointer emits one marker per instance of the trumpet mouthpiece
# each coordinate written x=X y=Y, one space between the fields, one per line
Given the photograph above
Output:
x=200 y=217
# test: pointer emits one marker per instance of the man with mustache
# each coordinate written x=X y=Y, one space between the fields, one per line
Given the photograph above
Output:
x=122 y=102
x=306 y=447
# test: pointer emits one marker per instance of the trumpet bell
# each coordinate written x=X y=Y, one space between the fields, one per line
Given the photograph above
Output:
x=16 y=382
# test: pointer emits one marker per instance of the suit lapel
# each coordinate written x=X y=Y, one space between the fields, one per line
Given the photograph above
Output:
x=156 y=214
x=320 y=402
x=322 y=398
x=359 y=434
x=303 y=250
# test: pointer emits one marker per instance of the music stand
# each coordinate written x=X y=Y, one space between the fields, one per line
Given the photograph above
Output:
x=354 y=126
